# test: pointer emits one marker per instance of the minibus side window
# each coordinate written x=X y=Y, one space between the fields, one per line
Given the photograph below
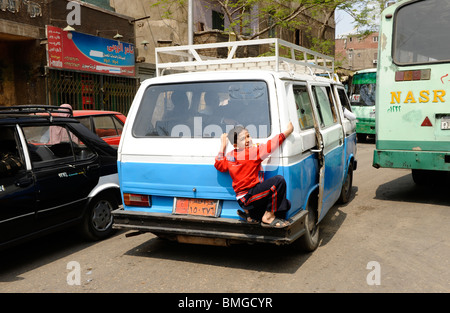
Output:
x=344 y=100
x=304 y=108
x=332 y=104
x=324 y=106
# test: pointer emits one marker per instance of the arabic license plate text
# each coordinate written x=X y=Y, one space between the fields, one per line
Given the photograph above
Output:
x=445 y=122
x=202 y=207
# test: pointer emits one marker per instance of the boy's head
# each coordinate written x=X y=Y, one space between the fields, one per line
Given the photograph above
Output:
x=239 y=137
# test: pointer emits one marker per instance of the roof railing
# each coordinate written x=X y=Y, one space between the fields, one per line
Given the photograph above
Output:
x=36 y=109
x=279 y=55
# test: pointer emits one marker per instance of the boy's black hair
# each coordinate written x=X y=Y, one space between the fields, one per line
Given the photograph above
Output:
x=233 y=134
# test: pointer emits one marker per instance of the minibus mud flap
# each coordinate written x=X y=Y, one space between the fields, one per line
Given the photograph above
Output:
x=192 y=228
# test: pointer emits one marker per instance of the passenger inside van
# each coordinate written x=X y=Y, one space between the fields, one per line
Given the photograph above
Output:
x=180 y=109
x=177 y=120
x=212 y=108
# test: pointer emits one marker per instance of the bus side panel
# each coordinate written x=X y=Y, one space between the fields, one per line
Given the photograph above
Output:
x=166 y=181
x=163 y=182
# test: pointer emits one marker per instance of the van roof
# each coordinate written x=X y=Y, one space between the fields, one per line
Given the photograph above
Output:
x=237 y=75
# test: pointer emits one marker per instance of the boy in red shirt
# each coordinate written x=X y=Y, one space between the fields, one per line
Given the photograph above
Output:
x=244 y=166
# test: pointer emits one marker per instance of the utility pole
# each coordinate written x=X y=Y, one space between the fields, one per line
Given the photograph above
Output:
x=190 y=23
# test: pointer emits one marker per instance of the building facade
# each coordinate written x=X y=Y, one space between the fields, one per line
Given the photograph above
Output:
x=356 y=52
x=41 y=60
x=210 y=25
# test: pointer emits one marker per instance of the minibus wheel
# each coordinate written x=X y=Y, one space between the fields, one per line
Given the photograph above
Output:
x=310 y=240
x=346 y=190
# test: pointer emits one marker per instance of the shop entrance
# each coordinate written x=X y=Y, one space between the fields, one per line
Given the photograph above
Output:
x=86 y=91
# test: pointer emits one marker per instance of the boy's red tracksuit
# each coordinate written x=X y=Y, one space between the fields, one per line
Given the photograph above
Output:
x=246 y=172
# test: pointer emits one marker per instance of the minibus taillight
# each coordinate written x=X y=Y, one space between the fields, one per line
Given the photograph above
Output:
x=131 y=199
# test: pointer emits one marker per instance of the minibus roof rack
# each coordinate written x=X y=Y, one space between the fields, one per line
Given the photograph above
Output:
x=277 y=55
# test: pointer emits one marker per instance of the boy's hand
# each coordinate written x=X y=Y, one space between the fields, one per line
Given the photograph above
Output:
x=289 y=130
x=224 y=141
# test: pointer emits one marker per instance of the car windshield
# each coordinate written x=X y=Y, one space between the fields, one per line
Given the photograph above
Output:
x=203 y=110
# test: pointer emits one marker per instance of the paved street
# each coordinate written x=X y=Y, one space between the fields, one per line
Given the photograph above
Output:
x=391 y=237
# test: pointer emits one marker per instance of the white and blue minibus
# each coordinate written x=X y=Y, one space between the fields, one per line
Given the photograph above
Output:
x=166 y=156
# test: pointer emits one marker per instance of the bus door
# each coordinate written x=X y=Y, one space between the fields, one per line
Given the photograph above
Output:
x=332 y=151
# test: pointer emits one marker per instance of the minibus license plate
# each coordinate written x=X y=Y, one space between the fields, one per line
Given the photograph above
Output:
x=445 y=122
x=189 y=206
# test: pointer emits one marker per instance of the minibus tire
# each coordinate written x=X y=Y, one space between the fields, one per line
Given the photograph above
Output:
x=310 y=240
x=346 y=190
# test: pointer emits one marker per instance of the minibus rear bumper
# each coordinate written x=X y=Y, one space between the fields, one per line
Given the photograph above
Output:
x=208 y=230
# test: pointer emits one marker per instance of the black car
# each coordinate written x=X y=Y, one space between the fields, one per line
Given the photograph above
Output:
x=54 y=173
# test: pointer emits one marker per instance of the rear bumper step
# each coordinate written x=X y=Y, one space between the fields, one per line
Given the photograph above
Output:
x=183 y=227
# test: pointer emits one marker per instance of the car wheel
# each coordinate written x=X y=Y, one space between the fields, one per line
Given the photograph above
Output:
x=98 y=219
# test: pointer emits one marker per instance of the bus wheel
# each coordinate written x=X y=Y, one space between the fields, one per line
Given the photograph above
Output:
x=310 y=240
x=346 y=190
x=429 y=177
x=361 y=137
x=420 y=177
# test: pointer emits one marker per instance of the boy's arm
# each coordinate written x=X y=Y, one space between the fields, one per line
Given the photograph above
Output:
x=274 y=143
x=289 y=130
x=221 y=162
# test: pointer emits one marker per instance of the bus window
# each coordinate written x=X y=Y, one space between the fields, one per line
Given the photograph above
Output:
x=421 y=32
x=304 y=109
x=204 y=110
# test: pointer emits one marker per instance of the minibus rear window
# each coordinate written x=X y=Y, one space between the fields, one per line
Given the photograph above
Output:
x=203 y=109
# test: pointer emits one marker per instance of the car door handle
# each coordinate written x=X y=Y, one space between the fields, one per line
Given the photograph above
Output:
x=24 y=182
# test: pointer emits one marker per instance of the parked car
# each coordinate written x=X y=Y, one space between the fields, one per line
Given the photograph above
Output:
x=108 y=125
x=54 y=173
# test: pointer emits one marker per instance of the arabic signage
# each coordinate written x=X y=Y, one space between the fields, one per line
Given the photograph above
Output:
x=82 y=52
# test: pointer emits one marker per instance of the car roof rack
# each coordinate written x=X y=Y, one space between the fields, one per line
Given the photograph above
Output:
x=280 y=56
x=36 y=109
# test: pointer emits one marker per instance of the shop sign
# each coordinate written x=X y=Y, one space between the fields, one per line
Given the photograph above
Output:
x=82 y=52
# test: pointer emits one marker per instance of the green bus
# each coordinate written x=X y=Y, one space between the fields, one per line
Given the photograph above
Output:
x=413 y=89
x=362 y=100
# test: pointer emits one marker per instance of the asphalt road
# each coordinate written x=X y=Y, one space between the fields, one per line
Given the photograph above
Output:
x=391 y=237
